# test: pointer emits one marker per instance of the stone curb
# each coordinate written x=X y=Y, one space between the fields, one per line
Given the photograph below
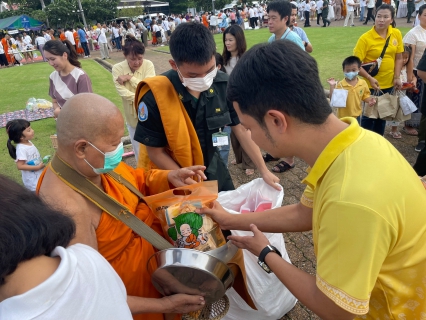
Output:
x=104 y=63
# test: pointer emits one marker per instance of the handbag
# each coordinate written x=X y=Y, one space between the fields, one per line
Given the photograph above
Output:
x=339 y=97
x=372 y=68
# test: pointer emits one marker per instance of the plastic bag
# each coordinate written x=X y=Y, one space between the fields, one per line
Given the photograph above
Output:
x=181 y=225
x=271 y=297
x=339 y=97
x=35 y=55
x=407 y=105
x=31 y=104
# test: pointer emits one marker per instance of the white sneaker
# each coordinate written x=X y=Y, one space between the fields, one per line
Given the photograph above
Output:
x=85 y=57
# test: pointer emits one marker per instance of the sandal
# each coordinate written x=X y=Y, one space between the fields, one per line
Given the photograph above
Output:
x=234 y=162
x=395 y=134
x=267 y=157
x=282 y=166
x=410 y=131
x=249 y=172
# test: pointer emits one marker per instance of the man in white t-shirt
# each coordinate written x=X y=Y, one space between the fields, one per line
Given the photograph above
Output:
x=256 y=16
x=46 y=36
x=70 y=37
x=251 y=15
x=319 y=11
x=213 y=24
x=350 y=8
x=45 y=278
x=102 y=41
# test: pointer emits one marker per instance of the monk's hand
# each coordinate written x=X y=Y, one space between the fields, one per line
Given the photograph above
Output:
x=271 y=179
x=254 y=244
x=182 y=303
x=218 y=214
x=185 y=176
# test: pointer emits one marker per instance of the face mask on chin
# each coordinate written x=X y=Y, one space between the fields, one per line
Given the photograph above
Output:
x=111 y=159
x=199 y=84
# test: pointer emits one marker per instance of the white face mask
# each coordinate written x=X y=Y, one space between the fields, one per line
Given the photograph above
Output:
x=199 y=84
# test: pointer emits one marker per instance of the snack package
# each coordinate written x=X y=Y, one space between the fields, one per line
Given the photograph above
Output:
x=181 y=225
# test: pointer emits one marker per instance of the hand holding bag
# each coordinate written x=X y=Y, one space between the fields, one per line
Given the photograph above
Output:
x=339 y=97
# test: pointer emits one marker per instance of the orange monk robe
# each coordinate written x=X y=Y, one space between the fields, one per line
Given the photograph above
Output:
x=205 y=22
x=343 y=12
x=80 y=50
x=62 y=36
x=126 y=251
x=6 y=50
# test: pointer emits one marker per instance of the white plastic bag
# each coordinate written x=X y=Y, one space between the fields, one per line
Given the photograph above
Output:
x=339 y=97
x=407 y=105
x=271 y=297
x=35 y=55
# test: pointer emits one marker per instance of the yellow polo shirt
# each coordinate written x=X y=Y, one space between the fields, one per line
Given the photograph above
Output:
x=369 y=227
x=370 y=46
x=356 y=94
x=127 y=91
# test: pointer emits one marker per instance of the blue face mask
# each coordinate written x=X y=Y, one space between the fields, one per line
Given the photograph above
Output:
x=111 y=159
x=351 y=75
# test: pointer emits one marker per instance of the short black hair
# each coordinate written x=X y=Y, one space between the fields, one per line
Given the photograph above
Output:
x=192 y=43
x=283 y=7
x=351 y=60
x=28 y=227
x=286 y=78
x=421 y=9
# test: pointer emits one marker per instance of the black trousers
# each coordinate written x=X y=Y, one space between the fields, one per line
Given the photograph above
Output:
x=318 y=17
x=420 y=165
x=307 y=18
x=3 y=60
x=85 y=48
x=369 y=15
x=252 y=22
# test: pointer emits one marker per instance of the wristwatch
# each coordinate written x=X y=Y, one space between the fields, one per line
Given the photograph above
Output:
x=262 y=255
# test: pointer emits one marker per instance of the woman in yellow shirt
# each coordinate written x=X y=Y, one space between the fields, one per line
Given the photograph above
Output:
x=369 y=48
x=126 y=76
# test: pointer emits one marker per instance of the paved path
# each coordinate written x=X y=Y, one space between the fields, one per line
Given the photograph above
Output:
x=299 y=245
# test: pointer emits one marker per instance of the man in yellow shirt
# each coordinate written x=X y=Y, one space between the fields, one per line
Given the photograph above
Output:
x=126 y=76
x=363 y=201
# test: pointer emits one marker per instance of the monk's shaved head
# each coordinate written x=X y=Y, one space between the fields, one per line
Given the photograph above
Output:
x=87 y=116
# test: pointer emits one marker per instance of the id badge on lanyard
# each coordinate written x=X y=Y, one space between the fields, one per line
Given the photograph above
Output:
x=220 y=139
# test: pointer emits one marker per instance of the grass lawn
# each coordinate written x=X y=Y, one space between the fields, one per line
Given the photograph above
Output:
x=21 y=83
x=331 y=46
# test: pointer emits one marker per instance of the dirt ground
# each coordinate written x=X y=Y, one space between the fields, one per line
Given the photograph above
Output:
x=298 y=245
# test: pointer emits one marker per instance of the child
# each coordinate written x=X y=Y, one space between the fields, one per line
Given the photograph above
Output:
x=406 y=55
x=26 y=155
x=357 y=89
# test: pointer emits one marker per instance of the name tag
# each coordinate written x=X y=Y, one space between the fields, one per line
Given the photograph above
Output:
x=220 y=139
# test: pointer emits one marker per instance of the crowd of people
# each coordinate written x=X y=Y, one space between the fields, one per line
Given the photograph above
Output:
x=363 y=201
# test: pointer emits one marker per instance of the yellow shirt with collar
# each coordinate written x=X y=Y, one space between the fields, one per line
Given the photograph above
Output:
x=369 y=227
x=370 y=46
x=127 y=91
x=356 y=94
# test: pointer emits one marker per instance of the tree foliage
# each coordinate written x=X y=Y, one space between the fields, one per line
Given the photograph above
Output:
x=131 y=12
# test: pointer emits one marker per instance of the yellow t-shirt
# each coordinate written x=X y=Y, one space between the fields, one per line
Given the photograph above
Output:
x=356 y=94
x=369 y=227
x=370 y=46
x=127 y=91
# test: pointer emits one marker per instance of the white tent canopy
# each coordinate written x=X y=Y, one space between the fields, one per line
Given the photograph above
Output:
x=141 y=3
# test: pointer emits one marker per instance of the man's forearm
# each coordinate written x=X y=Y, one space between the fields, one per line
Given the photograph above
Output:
x=250 y=147
x=303 y=286
x=145 y=305
x=291 y=218
x=161 y=158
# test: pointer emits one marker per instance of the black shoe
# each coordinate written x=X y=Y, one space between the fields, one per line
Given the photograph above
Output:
x=329 y=23
x=324 y=26
x=408 y=21
x=420 y=146
x=365 y=22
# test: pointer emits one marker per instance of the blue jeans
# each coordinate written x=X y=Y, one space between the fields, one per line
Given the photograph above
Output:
x=224 y=150
x=361 y=15
x=376 y=125
x=117 y=43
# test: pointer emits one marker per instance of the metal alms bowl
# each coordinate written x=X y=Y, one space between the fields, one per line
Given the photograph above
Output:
x=190 y=271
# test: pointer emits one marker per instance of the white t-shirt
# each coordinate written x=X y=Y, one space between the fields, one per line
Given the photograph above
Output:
x=348 y=7
x=417 y=37
x=84 y=286
x=313 y=5
x=70 y=37
x=231 y=65
x=1 y=48
x=213 y=21
x=47 y=37
x=319 y=5
x=40 y=40
x=306 y=7
x=29 y=154
x=115 y=32
x=255 y=12
x=371 y=4
x=362 y=3
x=251 y=13
x=27 y=39
x=102 y=37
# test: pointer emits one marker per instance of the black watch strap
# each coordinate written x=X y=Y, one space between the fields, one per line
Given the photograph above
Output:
x=267 y=250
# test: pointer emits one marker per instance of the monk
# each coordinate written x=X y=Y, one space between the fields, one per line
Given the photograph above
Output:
x=62 y=34
x=5 y=43
x=88 y=127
